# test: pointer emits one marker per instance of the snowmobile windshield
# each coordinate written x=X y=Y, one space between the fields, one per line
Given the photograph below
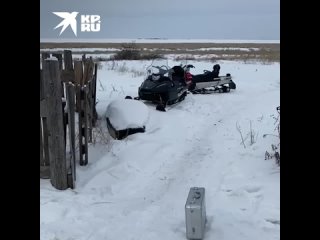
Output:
x=186 y=65
x=158 y=67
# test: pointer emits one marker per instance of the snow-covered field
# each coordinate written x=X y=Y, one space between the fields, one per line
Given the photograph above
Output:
x=137 y=188
x=92 y=50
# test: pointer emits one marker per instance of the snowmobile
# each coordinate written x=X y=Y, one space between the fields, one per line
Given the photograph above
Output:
x=209 y=81
x=163 y=85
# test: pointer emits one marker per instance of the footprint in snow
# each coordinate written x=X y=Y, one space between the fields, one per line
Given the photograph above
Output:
x=273 y=221
x=252 y=189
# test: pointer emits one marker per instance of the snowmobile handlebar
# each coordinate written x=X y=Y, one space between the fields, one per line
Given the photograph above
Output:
x=188 y=66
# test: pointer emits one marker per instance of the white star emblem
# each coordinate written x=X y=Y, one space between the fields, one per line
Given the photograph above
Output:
x=69 y=19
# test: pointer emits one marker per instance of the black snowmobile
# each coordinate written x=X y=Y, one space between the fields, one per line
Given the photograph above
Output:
x=210 y=81
x=163 y=85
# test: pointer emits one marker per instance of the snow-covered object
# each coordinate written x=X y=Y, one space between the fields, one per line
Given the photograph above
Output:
x=52 y=59
x=127 y=113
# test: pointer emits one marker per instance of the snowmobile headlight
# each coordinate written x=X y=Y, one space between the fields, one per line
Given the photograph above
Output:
x=155 y=78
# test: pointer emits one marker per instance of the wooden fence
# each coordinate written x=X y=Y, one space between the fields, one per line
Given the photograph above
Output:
x=67 y=90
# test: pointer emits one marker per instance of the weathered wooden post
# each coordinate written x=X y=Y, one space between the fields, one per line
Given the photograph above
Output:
x=41 y=136
x=44 y=148
x=88 y=80
x=45 y=55
x=67 y=55
x=83 y=127
x=67 y=74
x=71 y=127
x=59 y=57
x=80 y=95
x=78 y=74
x=94 y=92
x=57 y=156
x=41 y=145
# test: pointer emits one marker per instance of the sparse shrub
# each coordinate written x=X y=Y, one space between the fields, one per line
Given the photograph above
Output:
x=101 y=59
x=150 y=56
x=130 y=51
x=240 y=132
x=275 y=147
x=252 y=135
x=112 y=64
x=123 y=68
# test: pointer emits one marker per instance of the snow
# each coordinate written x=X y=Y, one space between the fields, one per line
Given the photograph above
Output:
x=137 y=188
x=52 y=59
x=125 y=40
x=224 y=49
x=93 y=50
x=127 y=113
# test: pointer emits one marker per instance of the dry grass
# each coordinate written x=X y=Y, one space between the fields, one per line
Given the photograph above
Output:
x=264 y=52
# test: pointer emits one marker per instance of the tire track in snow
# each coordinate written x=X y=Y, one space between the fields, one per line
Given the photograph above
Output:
x=189 y=167
x=203 y=165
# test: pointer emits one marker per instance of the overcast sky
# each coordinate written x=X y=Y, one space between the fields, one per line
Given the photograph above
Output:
x=175 y=19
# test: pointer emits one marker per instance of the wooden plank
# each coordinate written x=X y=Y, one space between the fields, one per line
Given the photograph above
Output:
x=80 y=124
x=67 y=76
x=44 y=172
x=43 y=88
x=89 y=110
x=94 y=92
x=91 y=69
x=45 y=133
x=64 y=121
x=44 y=56
x=67 y=55
x=88 y=71
x=59 y=57
x=41 y=145
x=58 y=171
x=71 y=128
x=43 y=108
x=85 y=124
x=42 y=93
x=78 y=74
x=85 y=73
x=83 y=128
